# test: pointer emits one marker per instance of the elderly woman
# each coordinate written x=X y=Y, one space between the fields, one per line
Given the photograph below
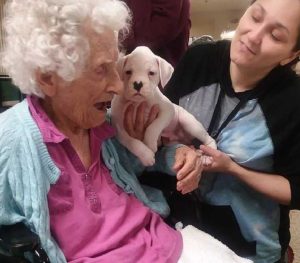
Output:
x=53 y=177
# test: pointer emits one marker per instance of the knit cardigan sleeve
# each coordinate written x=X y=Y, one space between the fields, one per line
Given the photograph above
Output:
x=10 y=212
x=25 y=176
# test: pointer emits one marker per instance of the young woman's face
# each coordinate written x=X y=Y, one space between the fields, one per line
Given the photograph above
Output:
x=267 y=34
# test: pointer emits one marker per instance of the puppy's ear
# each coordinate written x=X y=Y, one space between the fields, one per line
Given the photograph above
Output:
x=121 y=64
x=165 y=70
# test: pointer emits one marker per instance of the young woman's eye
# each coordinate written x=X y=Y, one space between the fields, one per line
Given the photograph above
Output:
x=275 y=38
x=278 y=36
x=128 y=72
x=151 y=73
x=256 y=19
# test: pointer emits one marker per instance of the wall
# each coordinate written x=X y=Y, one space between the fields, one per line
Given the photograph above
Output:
x=214 y=23
x=2 y=71
x=9 y=94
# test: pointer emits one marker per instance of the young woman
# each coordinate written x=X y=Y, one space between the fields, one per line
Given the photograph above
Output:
x=54 y=176
x=247 y=96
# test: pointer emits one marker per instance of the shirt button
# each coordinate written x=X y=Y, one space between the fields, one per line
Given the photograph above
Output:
x=127 y=188
x=84 y=177
x=112 y=161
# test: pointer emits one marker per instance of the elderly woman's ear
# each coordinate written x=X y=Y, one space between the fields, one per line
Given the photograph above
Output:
x=47 y=82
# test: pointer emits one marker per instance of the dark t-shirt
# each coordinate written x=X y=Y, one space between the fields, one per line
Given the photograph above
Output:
x=263 y=135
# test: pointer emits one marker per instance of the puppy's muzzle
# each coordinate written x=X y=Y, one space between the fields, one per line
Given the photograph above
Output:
x=137 y=85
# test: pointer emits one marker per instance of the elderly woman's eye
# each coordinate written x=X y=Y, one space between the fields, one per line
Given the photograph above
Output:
x=151 y=73
x=128 y=72
x=100 y=70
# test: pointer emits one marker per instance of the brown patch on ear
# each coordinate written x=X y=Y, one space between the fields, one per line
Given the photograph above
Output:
x=47 y=82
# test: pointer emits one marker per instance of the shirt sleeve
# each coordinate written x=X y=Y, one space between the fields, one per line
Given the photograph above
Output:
x=8 y=206
x=282 y=109
x=197 y=68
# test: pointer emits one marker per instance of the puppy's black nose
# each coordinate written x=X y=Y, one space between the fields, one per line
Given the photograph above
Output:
x=137 y=85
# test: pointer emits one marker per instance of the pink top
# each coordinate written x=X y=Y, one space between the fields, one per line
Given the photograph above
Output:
x=91 y=218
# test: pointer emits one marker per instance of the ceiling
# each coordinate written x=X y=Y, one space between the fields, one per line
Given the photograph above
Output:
x=199 y=6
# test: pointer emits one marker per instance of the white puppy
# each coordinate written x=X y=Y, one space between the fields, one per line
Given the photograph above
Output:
x=141 y=72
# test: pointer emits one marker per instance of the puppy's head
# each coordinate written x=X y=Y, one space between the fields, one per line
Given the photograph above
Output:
x=141 y=72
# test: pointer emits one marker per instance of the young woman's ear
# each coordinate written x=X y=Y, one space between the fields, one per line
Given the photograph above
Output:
x=291 y=58
x=47 y=82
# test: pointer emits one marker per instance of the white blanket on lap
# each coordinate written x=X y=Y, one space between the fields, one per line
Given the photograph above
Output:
x=200 y=247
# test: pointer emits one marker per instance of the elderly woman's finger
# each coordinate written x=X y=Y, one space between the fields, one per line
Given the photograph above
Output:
x=139 y=124
x=128 y=121
x=191 y=160
x=191 y=181
x=154 y=111
x=179 y=159
x=188 y=184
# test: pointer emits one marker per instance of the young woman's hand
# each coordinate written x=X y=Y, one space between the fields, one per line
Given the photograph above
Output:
x=136 y=125
x=188 y=165
x=220 y=162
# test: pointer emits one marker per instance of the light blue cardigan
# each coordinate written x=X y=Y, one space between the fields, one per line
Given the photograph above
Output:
x=27 y=171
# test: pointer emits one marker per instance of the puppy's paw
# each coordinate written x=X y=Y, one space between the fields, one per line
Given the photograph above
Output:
x=152 y=145
x=147 y=158
x=151 y=138
x=212 y=144
x=207 y=160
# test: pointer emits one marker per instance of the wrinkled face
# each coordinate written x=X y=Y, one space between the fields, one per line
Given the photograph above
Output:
x=140 y=73
x=83 y=101
x=267 y=34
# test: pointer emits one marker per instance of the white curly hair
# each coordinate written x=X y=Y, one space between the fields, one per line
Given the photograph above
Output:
x=47 y=35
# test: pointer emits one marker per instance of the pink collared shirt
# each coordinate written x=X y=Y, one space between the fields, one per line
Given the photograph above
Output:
x=91 y=218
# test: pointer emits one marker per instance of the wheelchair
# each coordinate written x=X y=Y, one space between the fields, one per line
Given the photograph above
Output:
x=16 y=241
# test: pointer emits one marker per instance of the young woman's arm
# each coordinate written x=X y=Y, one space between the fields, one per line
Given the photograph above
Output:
x=274 y=186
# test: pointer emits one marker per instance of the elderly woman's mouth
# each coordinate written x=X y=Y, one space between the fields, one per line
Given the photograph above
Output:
x=102 y=106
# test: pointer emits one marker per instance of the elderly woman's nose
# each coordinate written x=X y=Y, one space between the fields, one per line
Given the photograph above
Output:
x=115 y=85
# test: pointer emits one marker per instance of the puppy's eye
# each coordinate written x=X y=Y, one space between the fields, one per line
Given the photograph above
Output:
x=151 y=73
x=128 y=72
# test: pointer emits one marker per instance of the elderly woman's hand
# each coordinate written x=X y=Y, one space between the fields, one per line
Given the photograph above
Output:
x=136 y=125
x=188 y=165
